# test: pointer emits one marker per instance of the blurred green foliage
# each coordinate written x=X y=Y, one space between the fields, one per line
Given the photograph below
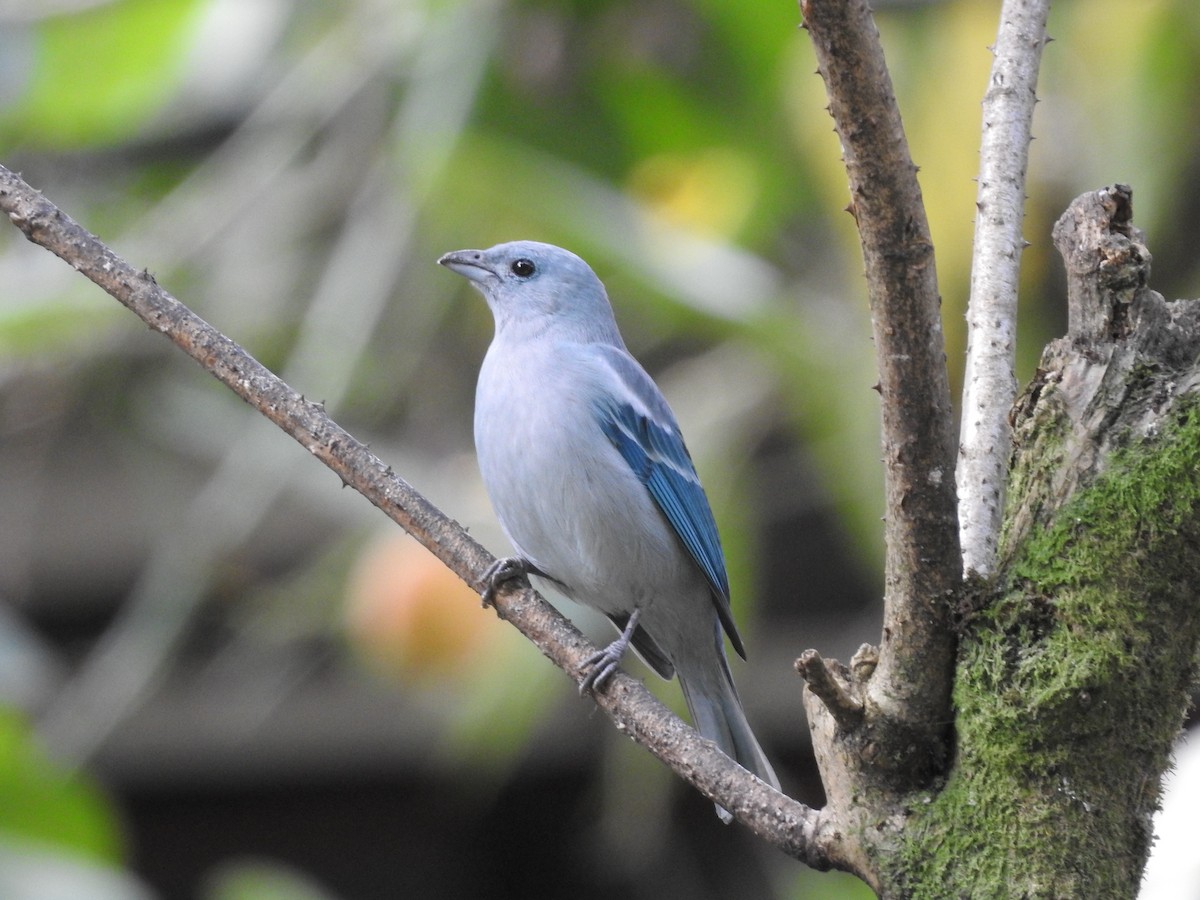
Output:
x=96 y=77
x=42 y=802
x=60 y=835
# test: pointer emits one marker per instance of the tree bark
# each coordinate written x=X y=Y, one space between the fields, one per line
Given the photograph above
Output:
x=1076 y=659
x=1076 y=630
x=905 y=689
x=990 y=381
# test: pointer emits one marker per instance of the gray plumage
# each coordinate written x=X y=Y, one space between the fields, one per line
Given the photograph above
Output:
x=590 y=479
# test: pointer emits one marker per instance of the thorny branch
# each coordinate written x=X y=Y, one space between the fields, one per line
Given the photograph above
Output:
x=909 y=693
x=989 y=384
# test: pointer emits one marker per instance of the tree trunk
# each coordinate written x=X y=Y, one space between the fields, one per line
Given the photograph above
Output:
x=1076 y=658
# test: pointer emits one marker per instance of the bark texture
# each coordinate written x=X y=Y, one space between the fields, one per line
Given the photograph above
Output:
x=881 y=726
x=989 y=382
x=1076 y=660
x=904 y=690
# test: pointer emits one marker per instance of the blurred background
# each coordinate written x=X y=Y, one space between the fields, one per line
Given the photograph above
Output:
x=222 y=676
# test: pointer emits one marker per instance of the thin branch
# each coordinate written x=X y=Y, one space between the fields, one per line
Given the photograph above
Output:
x=911 y=687
x=828 y=680
x=791 y=826
x=990 y=385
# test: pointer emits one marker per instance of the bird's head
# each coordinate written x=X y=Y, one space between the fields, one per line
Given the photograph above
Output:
x=531 y=287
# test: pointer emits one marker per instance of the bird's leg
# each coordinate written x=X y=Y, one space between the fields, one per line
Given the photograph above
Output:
x=500 y=573
x=601 y=666
x=510 y=568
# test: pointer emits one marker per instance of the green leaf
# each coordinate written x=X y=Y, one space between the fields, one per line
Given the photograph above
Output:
x=43 y=803
x=97 y=75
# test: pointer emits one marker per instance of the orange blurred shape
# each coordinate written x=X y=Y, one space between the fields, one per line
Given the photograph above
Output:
x=409 y=615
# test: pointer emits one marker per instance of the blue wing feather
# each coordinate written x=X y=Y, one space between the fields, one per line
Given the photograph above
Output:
x=656 y=453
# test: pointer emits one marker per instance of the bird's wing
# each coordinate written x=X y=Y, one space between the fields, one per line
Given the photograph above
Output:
x=649 y=440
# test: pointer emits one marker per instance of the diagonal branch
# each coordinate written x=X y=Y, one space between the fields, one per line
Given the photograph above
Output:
x=911 y=686
x=798 y=830
x=990 y=385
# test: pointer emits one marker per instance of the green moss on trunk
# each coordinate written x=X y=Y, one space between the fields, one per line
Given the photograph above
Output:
x=1071 y=683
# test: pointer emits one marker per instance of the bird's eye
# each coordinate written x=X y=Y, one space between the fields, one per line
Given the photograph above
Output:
x=523 y=268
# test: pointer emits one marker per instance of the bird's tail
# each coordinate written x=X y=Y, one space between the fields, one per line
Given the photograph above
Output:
x=718 y=715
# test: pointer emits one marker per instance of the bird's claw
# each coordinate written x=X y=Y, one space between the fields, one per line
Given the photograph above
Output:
x=498 y=574
x=600 y=668
x=603 y=665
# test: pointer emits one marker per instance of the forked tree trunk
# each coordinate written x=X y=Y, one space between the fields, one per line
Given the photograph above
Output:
x=1076 y=659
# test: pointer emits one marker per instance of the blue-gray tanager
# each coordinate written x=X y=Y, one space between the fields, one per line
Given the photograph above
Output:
x=588 y=473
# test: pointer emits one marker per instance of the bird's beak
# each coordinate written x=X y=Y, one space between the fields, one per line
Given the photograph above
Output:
x=470 y=264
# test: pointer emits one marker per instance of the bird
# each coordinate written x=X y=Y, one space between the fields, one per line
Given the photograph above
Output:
x=587 y=471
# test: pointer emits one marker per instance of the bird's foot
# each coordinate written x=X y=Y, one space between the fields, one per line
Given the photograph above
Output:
x=501 y=572
x=600 y=667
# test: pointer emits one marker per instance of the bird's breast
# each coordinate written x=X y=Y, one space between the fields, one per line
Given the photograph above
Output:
x=565 y=497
